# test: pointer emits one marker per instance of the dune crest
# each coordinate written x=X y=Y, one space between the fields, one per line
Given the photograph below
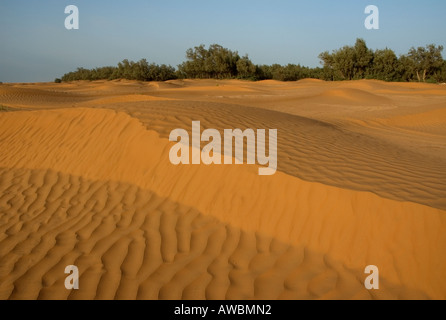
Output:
x=355 y=228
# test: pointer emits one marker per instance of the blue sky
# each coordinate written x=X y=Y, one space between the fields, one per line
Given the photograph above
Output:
x=35 y=46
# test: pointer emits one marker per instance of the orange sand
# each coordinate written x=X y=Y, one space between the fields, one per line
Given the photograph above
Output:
x=85 y=179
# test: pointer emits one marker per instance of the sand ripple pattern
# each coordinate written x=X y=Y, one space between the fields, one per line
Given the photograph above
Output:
x=130 y=243
x=314 y=150
x=326 y=151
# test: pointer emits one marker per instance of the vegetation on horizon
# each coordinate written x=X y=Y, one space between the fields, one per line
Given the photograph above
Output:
x=423 y=64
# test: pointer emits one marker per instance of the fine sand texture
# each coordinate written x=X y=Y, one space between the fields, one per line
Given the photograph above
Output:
x=85 y=180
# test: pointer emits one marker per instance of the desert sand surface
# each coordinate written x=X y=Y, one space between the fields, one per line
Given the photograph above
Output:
x=85 y=180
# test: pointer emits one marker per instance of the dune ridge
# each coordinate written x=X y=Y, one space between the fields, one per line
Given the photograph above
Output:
x=318 y=151
x=354 y=228
x=394 y=148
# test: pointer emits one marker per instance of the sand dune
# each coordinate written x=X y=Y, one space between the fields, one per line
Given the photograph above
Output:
x=352 y=97
x=130 y=243
x=92 y=185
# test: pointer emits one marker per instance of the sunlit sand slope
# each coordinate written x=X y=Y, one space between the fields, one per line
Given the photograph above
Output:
x=385 y=138
x=95 y=188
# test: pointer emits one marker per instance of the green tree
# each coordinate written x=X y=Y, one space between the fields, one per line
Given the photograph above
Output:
x=263 y=72
x=328 y=70
x=340 y=64
x=348 y=62
x=405 y=68
x=245 y=68
x=426 y=60
x=385 y=65
x=440 y=74
x=363 y=59
x=215 y=62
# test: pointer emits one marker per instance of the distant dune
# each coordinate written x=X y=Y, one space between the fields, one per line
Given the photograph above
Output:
x=85 y=180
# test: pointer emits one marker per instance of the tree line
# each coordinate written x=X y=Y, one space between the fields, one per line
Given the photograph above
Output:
x=423 y=64
x=360 y=62
x=130 y=70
